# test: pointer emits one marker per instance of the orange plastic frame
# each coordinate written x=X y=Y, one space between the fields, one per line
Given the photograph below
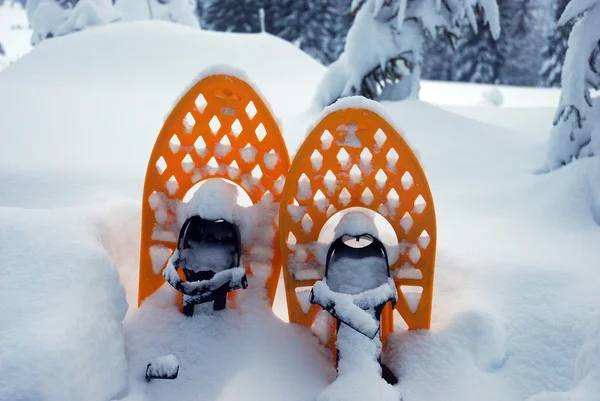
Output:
x=219 y=129
x=386 y=178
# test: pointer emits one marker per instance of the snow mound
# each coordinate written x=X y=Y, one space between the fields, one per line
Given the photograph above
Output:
x=134 y=75
x=587 y=371
x=63 y=307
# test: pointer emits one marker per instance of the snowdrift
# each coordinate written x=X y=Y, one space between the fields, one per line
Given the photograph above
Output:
x=515 y=299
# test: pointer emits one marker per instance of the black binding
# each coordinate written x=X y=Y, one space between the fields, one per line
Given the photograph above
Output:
x=377 y=249
x=219 y=232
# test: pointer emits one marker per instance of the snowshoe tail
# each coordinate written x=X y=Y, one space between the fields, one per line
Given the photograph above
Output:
x=220 y=128
x=165 y=368
x=388 y=375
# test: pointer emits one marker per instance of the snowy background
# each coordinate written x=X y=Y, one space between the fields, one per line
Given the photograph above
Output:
x=516 y=312
x=529 y=52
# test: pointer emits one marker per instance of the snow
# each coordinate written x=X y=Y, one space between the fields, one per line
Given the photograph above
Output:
x=88 y=13
x=574 y=119
x=15 y=33
x=515 y=307
x=359 y=372
x=248 y=153
x=574 y=9
x=354 y=309
x=159 y=255
x=61 y=330
x=163 y=366
x=407 y=271
x=245 y=353
x=178 y=11
x=357 y=341
x=215 y=199
x=45 y=20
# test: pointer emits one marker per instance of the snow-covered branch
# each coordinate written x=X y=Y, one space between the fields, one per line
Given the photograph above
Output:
x=572 y=132
x=384 y=48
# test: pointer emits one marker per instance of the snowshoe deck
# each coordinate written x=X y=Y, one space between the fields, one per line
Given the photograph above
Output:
x=220 y=128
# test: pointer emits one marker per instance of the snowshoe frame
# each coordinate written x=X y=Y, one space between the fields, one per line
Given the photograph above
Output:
x=220 y=128
x=390 y=182
x=197 y=223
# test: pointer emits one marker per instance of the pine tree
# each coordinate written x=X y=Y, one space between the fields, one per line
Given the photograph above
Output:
x=553 y=53
x=575 y=130
x=438 y=59
x=479 y=57
x=519 y=43
x=316 y=26
x=343 y=22
x=233 y=15
x=319 y=30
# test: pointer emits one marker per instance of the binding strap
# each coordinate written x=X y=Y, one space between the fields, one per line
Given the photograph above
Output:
x=204 y=290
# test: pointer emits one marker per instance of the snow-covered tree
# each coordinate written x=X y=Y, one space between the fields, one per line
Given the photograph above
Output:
x=553 y=52
x=45 y=17
x=182 y=12
x=576 y=131
x=88 y=13
x=48 y=19
x=384 y=48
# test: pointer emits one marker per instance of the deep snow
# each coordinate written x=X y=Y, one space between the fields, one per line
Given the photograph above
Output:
x=515 y=309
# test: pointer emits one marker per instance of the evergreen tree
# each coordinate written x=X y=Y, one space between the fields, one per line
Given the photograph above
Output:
x=438 y=59
x=519 y=43
x=319 y=22
x=316 y=26
x=383 y=55
x=553 y=53
x=233 y=15
x=343 y=22
x=479 y=57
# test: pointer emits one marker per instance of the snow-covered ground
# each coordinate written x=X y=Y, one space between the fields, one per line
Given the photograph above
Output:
x=515 y=307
